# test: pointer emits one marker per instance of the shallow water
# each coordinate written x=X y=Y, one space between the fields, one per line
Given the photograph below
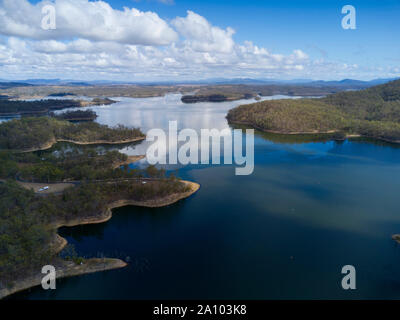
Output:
x=283 y=232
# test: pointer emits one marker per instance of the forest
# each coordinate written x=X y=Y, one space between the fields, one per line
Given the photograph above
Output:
x=37 y=106
x=44 y=106
x=26 y=234
x=72 y=164
x=35 y=132
x=373 y=112
x=75 y=115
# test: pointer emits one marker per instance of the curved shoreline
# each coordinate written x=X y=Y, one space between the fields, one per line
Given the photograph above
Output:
x=153 y=203
x=60 y=186
x=129 y=160
x=309 y=132
x=51 y=143
x=396 y=237
x=69 y=268
x=82 y=104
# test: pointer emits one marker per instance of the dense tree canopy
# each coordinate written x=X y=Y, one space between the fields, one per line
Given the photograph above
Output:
x=76 y=115
x=373 y=112
x=31 y=133
x=26 y=234
x=37 y=106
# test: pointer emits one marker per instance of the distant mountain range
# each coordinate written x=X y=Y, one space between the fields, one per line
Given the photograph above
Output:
x=303 y=82
x=350 y=83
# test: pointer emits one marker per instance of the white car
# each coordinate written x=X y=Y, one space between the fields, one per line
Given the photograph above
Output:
x=44 y=188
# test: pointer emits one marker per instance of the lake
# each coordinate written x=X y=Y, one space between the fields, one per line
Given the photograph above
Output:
x=284 y=232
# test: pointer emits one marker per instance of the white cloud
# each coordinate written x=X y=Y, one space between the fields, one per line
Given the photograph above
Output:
x=202 y=36
x=84 y=19
x=83 y=57
x=95 y=41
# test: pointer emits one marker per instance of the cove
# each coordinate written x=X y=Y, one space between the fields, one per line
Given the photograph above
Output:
x=285 y=232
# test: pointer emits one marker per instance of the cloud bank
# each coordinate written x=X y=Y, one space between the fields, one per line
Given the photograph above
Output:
x=92 y=40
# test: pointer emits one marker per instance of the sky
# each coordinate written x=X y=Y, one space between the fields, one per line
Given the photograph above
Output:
x=183 y=40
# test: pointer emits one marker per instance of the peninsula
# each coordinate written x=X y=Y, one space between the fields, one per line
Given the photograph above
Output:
x=373 y=112
x=41 y=133
x=91 y=182
x=167 y=193
x=43 y=107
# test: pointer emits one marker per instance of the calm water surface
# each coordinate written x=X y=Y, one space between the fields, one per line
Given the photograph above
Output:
x=283 y=232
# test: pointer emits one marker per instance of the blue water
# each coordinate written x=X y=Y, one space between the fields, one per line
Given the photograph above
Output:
x=283 y=232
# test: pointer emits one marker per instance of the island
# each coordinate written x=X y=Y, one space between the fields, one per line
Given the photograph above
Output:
x=207 y=98
x=61 y=94
x=76 y=115
x=396 y=237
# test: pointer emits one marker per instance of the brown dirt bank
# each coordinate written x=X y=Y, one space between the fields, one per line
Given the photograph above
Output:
x=307 y=132
x=153 y=203
x=129 y=160
x=65 y=269
x=69 y=268
x=49 y=144
x=396 y=237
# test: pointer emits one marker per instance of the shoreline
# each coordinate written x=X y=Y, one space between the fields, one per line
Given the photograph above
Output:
x=396 y=237
x=82 y=104
x=51 y=143
x=107 y=212
x=354 y=135
x=69 y=268
x=129 y=160
x=66 y=269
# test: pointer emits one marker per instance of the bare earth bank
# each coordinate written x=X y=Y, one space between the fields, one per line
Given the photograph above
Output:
x=70 y=268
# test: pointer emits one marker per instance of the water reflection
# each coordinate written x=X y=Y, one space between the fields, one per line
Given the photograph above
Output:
x=284 y=232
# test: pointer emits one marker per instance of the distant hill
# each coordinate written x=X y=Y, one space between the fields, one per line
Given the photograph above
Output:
x=40 y=82
x=7 y=85
x=346 y=83
x=349 y=83
x=373 y=112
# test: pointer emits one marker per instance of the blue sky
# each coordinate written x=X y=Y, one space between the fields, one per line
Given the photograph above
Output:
x=311 y=27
